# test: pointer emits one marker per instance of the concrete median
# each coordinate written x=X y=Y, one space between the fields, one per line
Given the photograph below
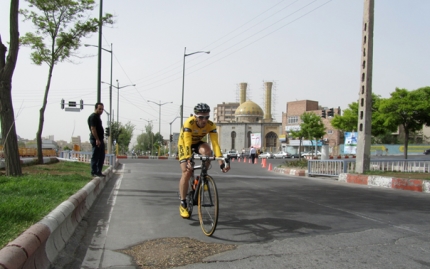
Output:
x=406 y=184
x=39 y=245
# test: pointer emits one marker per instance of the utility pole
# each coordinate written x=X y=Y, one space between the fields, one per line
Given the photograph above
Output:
x=365 y=93
x=159 y=113
x=99 y=62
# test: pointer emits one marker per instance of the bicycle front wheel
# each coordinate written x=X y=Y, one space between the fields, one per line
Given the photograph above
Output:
x=208 y=205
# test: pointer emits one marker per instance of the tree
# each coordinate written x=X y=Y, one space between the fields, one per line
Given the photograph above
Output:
x=298 y=134
x=349 y=120
x=410 y=109
x=158 y=142
x=140 y=146
x=312 y=127
x=7 y=116
x=124 y=137
x=61 y=24
x=114 y=131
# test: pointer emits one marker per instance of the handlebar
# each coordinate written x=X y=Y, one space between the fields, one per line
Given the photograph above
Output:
x=208 y=158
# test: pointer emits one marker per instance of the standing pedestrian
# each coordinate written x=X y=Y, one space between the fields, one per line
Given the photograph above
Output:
x=252 y=154
x=96 y=140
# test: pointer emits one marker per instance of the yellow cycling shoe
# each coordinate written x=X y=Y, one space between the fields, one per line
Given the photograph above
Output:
x=184 y=212
x=205 y=187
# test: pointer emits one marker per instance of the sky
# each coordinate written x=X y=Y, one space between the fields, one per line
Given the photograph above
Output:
x=310 y=49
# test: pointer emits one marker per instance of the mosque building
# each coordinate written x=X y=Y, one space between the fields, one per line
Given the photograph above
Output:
x=244 y=124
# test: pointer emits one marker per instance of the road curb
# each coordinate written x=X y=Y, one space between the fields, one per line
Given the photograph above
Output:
x=417 y=185
x=39 y=245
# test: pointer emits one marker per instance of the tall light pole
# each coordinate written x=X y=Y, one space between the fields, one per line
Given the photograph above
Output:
x=99 y=68
x=110 y=91
x=118 y=87
x=159 y=113
x=170 y=133
x=183 y=80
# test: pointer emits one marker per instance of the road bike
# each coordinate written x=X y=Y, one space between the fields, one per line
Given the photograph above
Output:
x=202 y=191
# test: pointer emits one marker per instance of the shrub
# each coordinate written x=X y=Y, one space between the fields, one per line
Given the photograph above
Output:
x=302 y=163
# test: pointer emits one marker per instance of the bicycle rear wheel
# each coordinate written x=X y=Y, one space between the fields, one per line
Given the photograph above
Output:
x=208 y=206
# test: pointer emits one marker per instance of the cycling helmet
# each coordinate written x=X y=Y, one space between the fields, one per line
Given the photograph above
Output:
x=202 y=108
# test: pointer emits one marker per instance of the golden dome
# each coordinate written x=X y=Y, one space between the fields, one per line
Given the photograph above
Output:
x=249 y=108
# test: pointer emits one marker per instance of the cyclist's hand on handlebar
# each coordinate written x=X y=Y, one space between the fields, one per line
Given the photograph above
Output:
x=190 y=165
x=223 y=167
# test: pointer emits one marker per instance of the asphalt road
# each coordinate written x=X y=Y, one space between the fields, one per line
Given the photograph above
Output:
x=279 y=221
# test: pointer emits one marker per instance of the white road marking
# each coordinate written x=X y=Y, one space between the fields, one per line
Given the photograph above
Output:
x=95 y=251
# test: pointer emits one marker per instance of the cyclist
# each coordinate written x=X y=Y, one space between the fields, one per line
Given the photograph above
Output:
x=190 y=140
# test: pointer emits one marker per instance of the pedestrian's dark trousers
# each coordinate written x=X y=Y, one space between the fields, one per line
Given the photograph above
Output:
x=252 y=158
x=98 y=157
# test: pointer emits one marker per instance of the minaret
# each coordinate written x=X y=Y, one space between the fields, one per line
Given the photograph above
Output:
x=268 y=102
x=243 y=86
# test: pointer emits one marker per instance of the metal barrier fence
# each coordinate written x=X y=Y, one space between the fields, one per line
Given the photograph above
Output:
x=86 y=156
x=335 y=167
x=31 y=152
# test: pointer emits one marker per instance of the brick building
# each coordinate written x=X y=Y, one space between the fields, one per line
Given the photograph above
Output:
x=225 y=112
x=291 y=121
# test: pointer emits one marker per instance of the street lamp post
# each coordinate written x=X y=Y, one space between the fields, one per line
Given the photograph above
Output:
x=183 y=80
x=170 y=133
x=159 y=113
x=110 y=91
x=99 y=68
x=118 y=87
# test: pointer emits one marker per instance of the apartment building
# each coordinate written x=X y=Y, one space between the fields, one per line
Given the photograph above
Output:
x=291 y=121
x=225 y=112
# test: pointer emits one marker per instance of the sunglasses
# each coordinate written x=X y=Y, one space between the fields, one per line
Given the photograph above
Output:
x=203 y=117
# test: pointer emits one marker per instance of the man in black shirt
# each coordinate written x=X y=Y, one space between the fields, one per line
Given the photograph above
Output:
x=96 y=140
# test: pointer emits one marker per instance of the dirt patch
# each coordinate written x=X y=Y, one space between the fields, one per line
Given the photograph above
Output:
x=173 y=252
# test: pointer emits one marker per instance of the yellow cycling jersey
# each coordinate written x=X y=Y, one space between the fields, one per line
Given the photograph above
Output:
x=192 y=134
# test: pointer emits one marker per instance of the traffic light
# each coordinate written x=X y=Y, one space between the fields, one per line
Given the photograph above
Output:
x=171 y=138
x=107 y=131
x=82 y=104
x=62 y=103
x=330 y=112
x=323 y=114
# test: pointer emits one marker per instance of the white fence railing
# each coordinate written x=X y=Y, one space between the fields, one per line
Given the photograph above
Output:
x=336 y=167
x=86 y=157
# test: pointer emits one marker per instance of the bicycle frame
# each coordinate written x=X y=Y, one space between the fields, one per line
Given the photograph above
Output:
x=204 y=170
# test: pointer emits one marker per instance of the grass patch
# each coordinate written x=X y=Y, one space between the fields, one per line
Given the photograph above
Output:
x=297 y=164
x=27 y=199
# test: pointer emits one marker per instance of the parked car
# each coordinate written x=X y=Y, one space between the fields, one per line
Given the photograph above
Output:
x=265 y=155
x=427 y=152
x=311 y=153
x=295 y=155
x=281 y=155
x=232 y=154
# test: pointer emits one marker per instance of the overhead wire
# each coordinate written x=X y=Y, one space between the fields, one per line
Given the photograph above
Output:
x=249 y=44
x=177 y=76
x=191 y=66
